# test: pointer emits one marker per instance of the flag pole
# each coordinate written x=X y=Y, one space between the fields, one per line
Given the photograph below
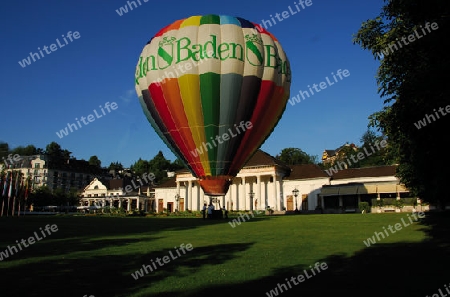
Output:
x=17 y=191
x=25 y=196
x=5 y=186
x=9 y=192
x=15 y=195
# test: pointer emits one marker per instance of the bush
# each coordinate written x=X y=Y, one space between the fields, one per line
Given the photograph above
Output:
x=398 y=203
x=364 y=206
x=379 y=203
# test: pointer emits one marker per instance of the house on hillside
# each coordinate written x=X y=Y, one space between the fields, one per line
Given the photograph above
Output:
x=329 y=157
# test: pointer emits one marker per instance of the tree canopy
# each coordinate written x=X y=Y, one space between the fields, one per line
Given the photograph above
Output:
x=294 y=156
x=159 y=166
x=116 y=166
x=407 y=37
x=94 y=161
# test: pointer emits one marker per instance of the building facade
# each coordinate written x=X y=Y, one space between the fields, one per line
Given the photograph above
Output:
x=113 y=193
x=350 y=186
x=74 y=175
x=265 y=182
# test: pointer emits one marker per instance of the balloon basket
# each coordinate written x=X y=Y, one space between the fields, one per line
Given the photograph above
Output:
x=215 y=185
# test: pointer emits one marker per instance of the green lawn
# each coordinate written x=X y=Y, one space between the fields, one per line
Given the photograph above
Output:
x=97 y=255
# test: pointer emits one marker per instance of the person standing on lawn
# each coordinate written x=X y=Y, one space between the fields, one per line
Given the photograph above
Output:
x=204 y=211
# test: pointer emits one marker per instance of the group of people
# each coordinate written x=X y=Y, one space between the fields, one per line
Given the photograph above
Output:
x=209 y=210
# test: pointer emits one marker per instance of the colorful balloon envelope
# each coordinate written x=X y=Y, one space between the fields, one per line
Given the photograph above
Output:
x=213 y=87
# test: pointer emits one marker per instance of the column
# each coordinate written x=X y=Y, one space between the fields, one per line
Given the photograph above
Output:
x=202 y=197
x=120 y=203
x=275 y=194
x=197 y=198
x=231 y=197
x=178 y=192
x=251 y=188
x=189 y=198
x=228 y=196
x=236 y=201
x=128 y=204
x=281 y=194
x=243 y=199
x=258 y=191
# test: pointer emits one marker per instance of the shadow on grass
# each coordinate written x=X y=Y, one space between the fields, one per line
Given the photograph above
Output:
x=403 y=269
x=108 y=275
x=400 y=269
x=15 y=228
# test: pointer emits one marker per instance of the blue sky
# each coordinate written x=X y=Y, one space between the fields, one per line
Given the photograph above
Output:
x=40 y=99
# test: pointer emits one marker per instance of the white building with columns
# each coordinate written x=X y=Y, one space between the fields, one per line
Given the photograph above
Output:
x=272 y=184
x=263 y=182
x=113 y=193
x=262 y=175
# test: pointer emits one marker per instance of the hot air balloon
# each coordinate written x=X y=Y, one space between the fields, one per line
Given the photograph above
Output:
x=213 y=87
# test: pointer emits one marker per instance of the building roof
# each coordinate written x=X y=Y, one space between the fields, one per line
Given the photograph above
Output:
x=261 y=158
x=375 y=171
x=305 y=171
x=116 y=183
x=169 y=183
x=330 y=152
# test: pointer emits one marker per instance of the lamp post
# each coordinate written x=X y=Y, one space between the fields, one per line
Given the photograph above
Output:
x=295 y=193
x=177 y=198
x=251 y=194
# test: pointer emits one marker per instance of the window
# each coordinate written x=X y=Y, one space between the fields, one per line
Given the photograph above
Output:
x=37 y=165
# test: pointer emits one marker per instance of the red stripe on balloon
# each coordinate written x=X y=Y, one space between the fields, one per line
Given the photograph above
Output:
x=174 y=26
x=158 y=97
x=267 y=107
x=264 y=31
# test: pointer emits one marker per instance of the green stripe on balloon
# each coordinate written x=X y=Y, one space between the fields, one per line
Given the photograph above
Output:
x=210 y=98
x=210 y=19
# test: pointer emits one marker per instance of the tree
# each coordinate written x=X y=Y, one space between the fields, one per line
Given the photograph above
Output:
x=177 y=165
x=411 y=82
x=293 y=156
x=94 y=161
x=140 y=167
x=29 y=150
x=159 y=166
x=42 y=196
x=4 y=149
x=116 y=166
x=53 y=149
x=57 y=157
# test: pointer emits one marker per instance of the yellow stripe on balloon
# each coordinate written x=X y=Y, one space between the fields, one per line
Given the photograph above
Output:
x=191 y=21
x=189 y=85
